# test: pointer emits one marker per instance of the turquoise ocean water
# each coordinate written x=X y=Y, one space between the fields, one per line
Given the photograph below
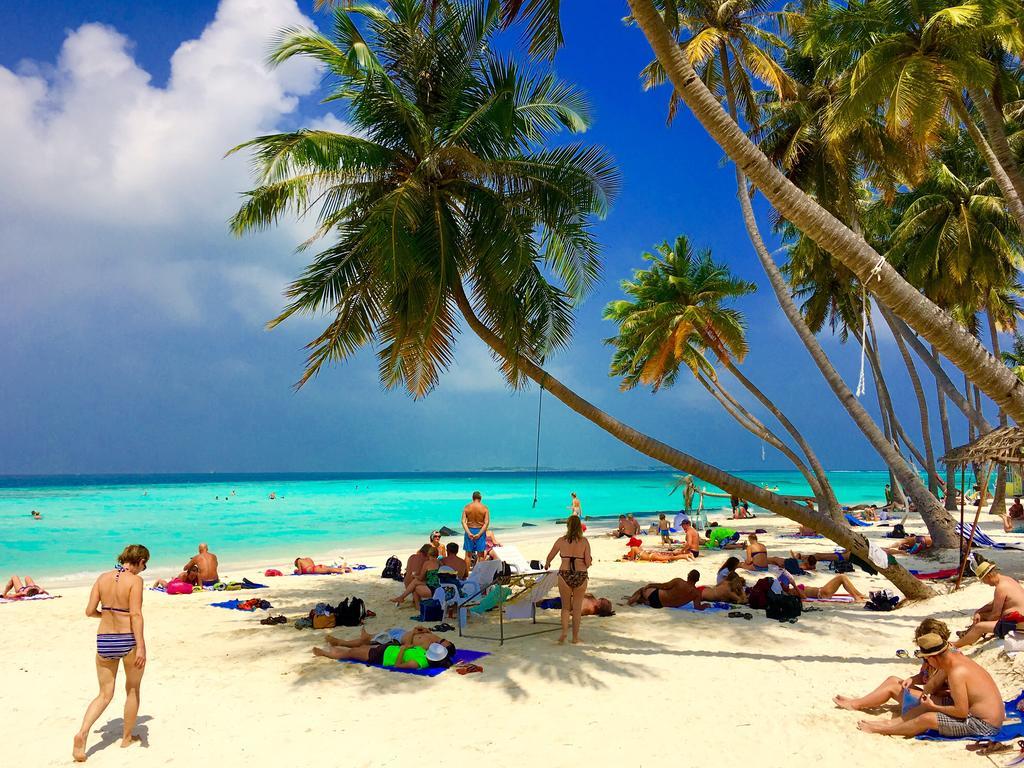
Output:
x=88 y=520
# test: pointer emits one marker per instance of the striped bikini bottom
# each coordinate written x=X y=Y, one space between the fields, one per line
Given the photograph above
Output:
x=115 y=646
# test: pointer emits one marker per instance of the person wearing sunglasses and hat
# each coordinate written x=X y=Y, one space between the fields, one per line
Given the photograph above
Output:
x=1000 y=617
x=977 y=709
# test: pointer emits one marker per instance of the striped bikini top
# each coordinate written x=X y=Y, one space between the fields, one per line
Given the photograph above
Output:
x=119 y=569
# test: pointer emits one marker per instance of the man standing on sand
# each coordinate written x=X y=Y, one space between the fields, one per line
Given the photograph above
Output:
x=1005 y=611
x=206 y=562
x=977 y=710
x=476 y=518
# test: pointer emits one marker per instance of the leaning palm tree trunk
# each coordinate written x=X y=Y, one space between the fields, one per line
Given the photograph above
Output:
x=940 y=525
x=922 y=403
x=997 y=381
x=999 y=172
x=659 y=451
x=755 y=426
x=942 y=380
x=947 y=440
x=995 y=127
x=999 y=498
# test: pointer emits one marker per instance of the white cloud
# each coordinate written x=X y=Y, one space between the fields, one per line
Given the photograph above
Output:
x=118 y=190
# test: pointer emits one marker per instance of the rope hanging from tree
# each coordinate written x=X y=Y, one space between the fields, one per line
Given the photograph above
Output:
x=876 y=271
x=536 y=464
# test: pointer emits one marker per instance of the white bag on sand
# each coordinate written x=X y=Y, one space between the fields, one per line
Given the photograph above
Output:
x=1013 y=644
x=878 y=555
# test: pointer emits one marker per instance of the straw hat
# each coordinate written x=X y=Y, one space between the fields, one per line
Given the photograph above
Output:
x=930 y=645
x=437 y=652
x=985 y=569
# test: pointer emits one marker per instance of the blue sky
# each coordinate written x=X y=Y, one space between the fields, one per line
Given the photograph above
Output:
x=134 y=337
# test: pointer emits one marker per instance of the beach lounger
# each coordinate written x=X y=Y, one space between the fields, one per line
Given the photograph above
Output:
x=462 y=656
x=852 y=520
x=516 y=561
x=516 y=600
x=981 y=539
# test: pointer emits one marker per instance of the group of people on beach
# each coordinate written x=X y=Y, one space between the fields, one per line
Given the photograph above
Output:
x=951 y=693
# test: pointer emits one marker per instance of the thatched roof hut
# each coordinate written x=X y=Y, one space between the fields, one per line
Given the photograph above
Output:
x=1003 y=446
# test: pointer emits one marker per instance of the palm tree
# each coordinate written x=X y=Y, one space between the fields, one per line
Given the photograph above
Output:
x=1015 y=358
x=450 y=203
x=792 y=203
x=673 y=316
x=705 y=26
x=915 y=59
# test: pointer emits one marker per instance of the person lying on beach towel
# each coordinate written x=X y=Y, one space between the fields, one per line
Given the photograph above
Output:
x=730 y=590
x=668 y=594
x=421 y=637
x=305 y=566
x=638 y=553
x=976 y=710
x=16 y=589
x=757 y=556
x=912 y=545
x=790 y=587
x=1001 y=616
x=591 y=606
x=728 y=569
x=926 y=681
x=383 y=652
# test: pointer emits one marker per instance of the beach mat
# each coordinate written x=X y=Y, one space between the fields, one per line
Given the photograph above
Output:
x=356 y=567
x=241 y=588
x=833 y=599
x=31 y=597
x=688 y=608
x=801 y=536
x=461 y=656
x=1013 y=727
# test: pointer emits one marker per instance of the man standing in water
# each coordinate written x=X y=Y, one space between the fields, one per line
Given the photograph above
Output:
x=475 y=520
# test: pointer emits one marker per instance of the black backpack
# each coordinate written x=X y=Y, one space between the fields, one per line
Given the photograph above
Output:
x=783 y=607
x=350 y=612
x=882 y=600
x=392 y=569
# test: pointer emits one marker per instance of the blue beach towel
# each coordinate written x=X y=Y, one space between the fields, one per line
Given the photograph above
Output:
x=1013 y=727
x=855 y=521
x=801 y=536
x=461 y=656
x=711 y=608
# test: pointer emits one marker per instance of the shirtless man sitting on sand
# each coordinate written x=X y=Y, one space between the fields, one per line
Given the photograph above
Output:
x=1003 y=614
x=476 y=519
x=977 y=709
x=757 y=556
x=206 y=562
x=669 y=594
x=912 y=545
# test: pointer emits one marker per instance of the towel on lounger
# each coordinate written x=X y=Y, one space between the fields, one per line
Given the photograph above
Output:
x=43 y=596
x=461 y=656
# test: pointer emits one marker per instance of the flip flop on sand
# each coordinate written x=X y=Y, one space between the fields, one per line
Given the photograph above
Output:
x=740 y=615
x=468 y=669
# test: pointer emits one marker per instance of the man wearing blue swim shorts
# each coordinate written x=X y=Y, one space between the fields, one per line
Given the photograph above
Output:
x=475 y=520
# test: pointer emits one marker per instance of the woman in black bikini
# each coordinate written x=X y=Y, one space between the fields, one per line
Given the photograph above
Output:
x=572 y=576
x=116 y=600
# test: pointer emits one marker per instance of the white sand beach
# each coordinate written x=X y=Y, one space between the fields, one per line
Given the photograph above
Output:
x=646 y=688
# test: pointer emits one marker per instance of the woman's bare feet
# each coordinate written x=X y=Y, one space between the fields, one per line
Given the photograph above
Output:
x=561 y=639
x=319 y=652
x=332 y=640
x=131 y=739
x=576 y=641
x=79 y=750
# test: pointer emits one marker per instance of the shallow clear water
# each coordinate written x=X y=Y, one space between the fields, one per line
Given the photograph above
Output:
x=88 y=520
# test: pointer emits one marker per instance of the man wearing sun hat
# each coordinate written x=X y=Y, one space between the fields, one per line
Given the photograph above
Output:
x=977 y=710
x=1003 y=614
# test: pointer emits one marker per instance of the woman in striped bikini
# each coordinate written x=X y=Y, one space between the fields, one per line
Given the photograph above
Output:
x=116 y=600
